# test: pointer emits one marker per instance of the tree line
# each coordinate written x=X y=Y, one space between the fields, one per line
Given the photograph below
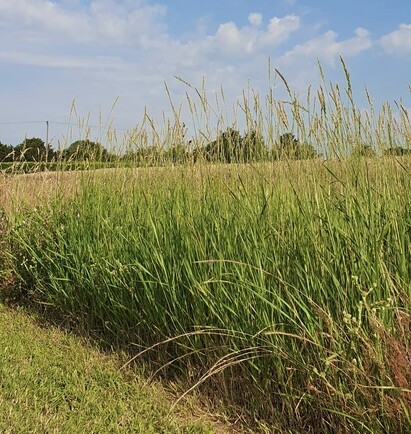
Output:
x=35 y=150
x=230 y=146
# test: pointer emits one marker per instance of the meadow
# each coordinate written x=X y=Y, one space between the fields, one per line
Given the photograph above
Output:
x=280 y=290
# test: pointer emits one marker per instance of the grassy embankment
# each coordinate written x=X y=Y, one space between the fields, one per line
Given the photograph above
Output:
x=52 y=382
x=282 y=289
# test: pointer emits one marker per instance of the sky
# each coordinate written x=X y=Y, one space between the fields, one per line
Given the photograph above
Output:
x=104 y=63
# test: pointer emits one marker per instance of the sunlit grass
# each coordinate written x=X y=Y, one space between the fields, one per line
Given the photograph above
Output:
x=281 y=287
x=54 y=382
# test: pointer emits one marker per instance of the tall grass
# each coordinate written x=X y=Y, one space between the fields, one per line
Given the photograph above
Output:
x=281 y=287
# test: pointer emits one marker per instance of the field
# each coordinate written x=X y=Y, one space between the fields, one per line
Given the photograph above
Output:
x=279 y=290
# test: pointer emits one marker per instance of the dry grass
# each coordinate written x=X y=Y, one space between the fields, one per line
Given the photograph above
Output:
x=36 y=189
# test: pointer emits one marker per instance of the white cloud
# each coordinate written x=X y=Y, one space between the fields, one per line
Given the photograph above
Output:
x=327 y=48
x=279 y=29
x=55 y=61
x=39 y=16
x=230 y=39
x=398 y=41
x=233 y=41
x=300 y=64
x=255 y=19
x=102 y=22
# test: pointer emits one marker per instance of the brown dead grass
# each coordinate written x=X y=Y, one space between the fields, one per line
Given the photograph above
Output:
x=398 y=359
x=35 y=189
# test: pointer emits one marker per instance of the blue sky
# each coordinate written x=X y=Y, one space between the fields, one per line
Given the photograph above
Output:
x=99 y=52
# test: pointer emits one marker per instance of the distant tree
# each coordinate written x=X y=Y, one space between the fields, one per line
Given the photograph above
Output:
x=397 y=151
x=289 y=147
x=177 y=154
x=288 y=141
x=306 y=152
x=6 y=153
x=144 y=156
x=363 y=150
x=231 y=147
x=286 y=147
x=86 y=150
x=225 y=147
x=33 y=149
x=253 y=147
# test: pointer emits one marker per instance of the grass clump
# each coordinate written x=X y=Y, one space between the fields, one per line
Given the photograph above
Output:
x=290 y=290
x=281 y=287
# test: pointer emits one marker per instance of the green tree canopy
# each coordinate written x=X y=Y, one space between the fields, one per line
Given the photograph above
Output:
x=397 y=151
x=33 y=149
x=177 y=154
x=145 y=156
x=290 y=148
x=6 y=153
x=253 y=147
x=363 y=150
x=85 y=150
x=231 y=147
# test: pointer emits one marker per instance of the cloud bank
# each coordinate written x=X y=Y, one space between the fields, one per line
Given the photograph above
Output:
x=398 y=41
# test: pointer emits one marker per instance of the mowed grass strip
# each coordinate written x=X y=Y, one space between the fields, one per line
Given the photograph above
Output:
x=52 y=382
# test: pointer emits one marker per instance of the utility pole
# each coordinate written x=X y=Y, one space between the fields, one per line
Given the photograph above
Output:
x=47 y=141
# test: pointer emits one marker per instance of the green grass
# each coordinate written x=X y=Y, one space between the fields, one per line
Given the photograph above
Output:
x=288 y=282
x=52 y=382
x=280 y=289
